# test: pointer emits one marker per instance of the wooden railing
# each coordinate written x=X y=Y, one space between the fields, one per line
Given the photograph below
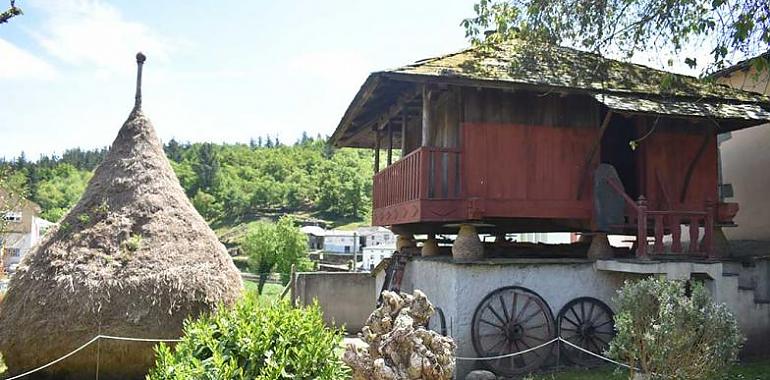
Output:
x=669 y=220
x=426 y=173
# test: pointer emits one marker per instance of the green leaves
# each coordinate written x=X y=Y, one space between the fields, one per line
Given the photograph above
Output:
x=737 y=29
x=253 y=341
x=673 y=336
x=274 y=247
x=226 y=182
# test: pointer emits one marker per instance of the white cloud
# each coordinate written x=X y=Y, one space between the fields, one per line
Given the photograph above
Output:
x=16 y=63
x=94 y=34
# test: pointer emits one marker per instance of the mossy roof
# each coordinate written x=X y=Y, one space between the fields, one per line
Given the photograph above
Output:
x=626 y=87
x=555 y=66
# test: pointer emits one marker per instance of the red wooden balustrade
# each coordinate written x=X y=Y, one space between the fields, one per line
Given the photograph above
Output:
x=669 y=220
x=425 y=173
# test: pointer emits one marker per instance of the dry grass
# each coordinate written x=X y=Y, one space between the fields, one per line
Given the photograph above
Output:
x=132 y=258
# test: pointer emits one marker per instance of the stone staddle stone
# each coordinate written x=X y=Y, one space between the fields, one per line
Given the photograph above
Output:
x=404 y=241
x=467 y=245
x=430 y=247
x=600 y=247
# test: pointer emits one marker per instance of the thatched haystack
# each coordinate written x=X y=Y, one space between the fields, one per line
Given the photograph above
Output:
x=133 y=258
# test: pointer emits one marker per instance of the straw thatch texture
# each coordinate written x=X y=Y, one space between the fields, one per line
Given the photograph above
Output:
x=132 y=258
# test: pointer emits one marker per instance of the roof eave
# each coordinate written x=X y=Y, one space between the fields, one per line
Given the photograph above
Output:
x=363 y=94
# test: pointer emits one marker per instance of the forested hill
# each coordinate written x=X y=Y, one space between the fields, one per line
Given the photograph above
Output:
x=227 y=183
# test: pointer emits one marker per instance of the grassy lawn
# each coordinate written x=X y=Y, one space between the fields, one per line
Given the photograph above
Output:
x=753 y=370
x=270 y=293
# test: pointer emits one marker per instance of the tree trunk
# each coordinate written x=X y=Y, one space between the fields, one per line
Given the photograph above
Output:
x=261 y=283
x=264 y=272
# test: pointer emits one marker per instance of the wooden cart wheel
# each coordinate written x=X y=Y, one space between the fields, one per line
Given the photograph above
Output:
x=437 y=322
x=588 y=323
x=508 y=320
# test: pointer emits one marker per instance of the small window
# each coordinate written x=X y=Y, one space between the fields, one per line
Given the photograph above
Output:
x=347 y=249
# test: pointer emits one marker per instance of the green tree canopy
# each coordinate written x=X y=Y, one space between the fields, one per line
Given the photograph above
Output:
x=733 y=29
x=274 y=247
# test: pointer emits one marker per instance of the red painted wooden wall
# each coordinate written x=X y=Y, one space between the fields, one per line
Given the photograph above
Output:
x=527 y=170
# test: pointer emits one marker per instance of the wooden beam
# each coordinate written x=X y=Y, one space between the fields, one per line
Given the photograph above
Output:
x=592 y=153
x=359 y=101
x=376 y=152
x=402 y=101
x=403 y=133
x=426 y=121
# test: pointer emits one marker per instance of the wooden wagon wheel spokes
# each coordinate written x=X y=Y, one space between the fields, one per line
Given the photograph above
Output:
x=588 y=323
x=509 y=320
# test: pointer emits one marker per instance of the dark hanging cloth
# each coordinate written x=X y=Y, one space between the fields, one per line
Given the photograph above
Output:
x=609 y=207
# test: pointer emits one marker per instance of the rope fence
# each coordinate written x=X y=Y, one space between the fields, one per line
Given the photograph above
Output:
x=86 y=344
x=548 y=343
x=459 y=358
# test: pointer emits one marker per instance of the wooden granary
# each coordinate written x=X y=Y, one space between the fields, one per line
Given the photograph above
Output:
x=509 y=138
x=522 y=137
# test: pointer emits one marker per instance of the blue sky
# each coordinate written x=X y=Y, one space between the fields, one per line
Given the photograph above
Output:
x=216 y=71
x=220 y=71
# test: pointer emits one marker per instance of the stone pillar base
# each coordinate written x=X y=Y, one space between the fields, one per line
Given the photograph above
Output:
x=405 y=241
x=430 y=247
x=600 y=247
x=467 y=245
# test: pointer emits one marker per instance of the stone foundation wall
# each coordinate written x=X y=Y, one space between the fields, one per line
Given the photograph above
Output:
x=458 y=288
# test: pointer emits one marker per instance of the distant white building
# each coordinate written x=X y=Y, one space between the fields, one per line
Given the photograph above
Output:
x=315 y=237
x=24 y=230
x=372 y=255
x=337 y=241
x=374 y=236
x=544 y=237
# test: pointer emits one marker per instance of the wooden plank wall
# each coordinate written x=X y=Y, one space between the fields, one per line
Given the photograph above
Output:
x=669 y=151
x=527 y=147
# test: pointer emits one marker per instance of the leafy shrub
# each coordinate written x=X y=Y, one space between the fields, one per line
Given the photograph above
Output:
x=672 y=336
x=2 y=365
x=253 y=341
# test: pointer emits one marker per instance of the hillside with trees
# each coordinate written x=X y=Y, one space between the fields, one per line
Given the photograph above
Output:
x=228 y=183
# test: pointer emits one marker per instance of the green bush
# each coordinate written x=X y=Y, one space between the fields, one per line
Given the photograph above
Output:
x=253 y=341
x=669 y=335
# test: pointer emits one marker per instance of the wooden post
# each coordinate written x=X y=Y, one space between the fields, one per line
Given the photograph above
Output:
x=376 y=151
x=658 y=246
x=676 y=233
x=390 y=143
x=694 y=226
x=641 y=228
x=426 y=119
x=403 y=133
x=708 y=233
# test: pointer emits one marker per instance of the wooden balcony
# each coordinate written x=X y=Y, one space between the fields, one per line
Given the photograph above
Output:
x=657 y=223
x=424 y=185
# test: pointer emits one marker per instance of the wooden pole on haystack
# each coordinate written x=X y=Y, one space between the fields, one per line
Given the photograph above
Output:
x=140 y=58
